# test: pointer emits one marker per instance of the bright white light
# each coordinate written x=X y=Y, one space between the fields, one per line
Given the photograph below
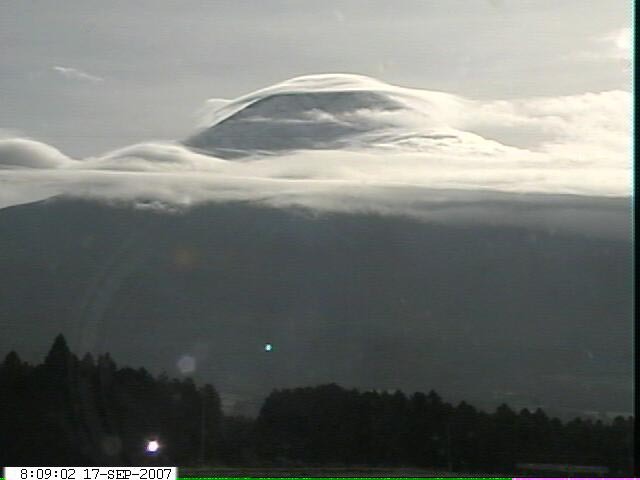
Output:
x=153 y=446
x=268 y=347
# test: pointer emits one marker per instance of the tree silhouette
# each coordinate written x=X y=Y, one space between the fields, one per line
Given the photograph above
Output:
x=67 y=411
x=70 y=412
x=383 y=429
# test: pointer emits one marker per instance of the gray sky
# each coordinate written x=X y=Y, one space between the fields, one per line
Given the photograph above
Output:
x=90 y=76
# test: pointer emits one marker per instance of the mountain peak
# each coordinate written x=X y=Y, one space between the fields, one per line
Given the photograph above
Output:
x=321 y=111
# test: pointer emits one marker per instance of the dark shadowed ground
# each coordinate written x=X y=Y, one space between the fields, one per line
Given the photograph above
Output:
x=488 y=314
x=320 y=472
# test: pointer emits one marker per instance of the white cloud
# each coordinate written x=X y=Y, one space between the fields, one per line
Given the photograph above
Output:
x=606 y=217
x=206 y=114
x=425 y=154
x=586 y=129
x=76 y=74
x=25 y=153
x=152 y=157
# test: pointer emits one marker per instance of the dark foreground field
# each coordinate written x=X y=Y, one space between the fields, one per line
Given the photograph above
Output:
x=299 y=472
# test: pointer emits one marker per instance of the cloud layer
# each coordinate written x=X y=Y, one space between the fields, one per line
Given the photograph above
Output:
x=346 y=142
x=25 y=153
x=76 y=74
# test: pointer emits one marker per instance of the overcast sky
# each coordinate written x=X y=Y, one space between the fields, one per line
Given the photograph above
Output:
x=90 y=76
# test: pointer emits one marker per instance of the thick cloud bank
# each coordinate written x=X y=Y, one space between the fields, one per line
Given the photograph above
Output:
x=25 y=153
x=347 y=142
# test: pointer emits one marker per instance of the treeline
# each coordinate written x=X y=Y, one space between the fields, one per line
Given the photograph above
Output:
x=70 y=411
x=332 y=425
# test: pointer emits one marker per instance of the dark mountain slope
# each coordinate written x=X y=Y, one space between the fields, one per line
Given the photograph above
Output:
x=482 y=313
